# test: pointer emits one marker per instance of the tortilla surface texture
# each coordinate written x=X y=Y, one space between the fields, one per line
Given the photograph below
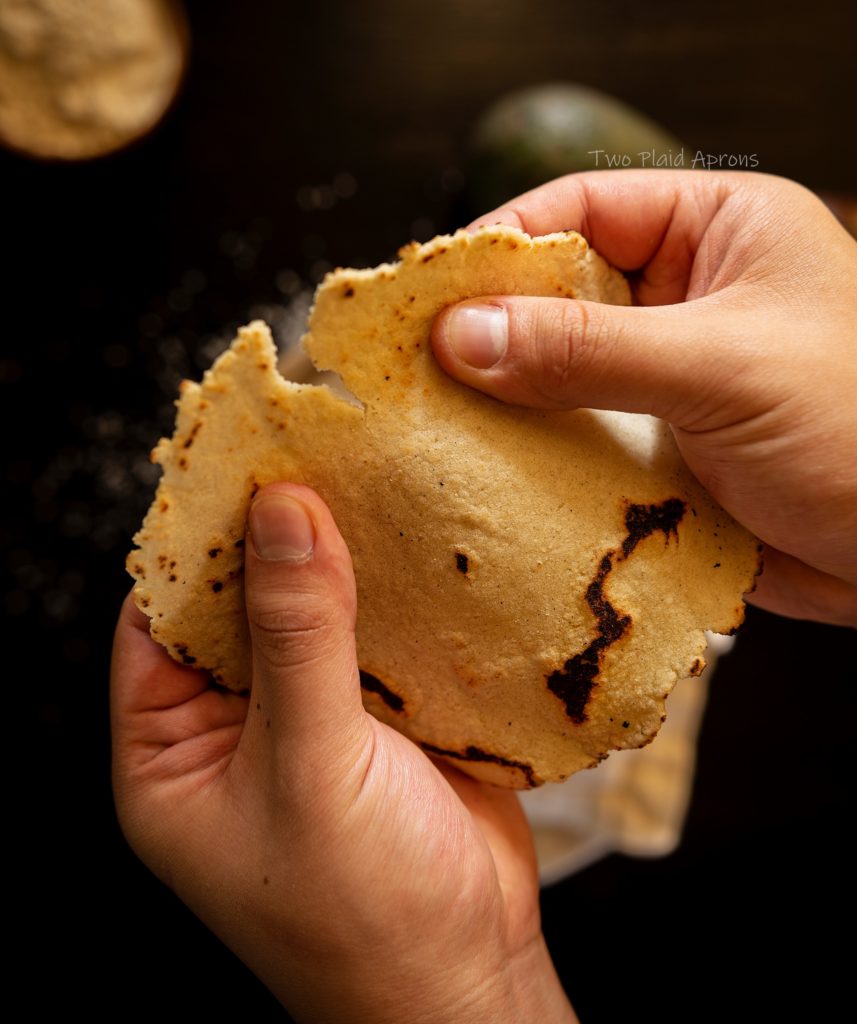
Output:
x=531 y=584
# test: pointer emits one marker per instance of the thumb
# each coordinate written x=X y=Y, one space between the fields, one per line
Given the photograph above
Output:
x=301 y=607
x=688 y=363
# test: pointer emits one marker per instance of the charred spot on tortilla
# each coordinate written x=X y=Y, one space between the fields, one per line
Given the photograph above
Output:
x=374 y=685
x=574 y=682
x=642 y=520
x=474 y=754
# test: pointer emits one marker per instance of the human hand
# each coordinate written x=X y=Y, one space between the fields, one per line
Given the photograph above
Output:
x=358 y=879
x=747 y=346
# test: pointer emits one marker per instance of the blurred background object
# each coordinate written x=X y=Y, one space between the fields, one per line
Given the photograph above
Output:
x=310 y=136
x=82 y=78
x=534 y=135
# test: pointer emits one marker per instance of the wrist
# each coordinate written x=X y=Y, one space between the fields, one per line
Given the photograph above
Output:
x=523 y=989
x=537 y=994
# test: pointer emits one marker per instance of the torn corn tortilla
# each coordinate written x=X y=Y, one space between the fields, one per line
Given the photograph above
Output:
x=531 y=584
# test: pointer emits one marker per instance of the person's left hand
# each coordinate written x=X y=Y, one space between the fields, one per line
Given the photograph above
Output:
x=349 y=871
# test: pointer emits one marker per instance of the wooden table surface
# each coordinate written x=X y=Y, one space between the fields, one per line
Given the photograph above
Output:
x=120 y=277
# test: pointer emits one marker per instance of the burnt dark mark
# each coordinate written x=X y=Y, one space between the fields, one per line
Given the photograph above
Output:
x=258 y=707
x=214 y=552
x=268 y=724
x=643 y=520
x=461 y=562
x=716 y=565
x=428 y=258
x=192 y=435
x=173 y=577
x=265 y=880
x=626 y=725
x=348 y=292
x=387 y=377
x=217 y=586
x=412 y=298
x=185 y=657
x=475 y=754
x=374 y=685
x=574 y=682
x=239 y=543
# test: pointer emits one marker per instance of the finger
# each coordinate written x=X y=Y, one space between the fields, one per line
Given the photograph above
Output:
x=500 y=818
x=789 y=587
x=635 y=219
x=143 y=676
x=157 y=704
x=301 y=606
x=154 y=698
x=689 y=364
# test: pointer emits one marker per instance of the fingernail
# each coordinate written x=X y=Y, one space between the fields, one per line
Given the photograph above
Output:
x=281 y=529
x=478 y=335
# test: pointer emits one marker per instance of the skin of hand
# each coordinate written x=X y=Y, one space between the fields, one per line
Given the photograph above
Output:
x=743 y=336
x=361 y=881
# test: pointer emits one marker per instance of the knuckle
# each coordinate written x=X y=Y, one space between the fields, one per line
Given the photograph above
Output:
x=568 y=337
x=294 y=634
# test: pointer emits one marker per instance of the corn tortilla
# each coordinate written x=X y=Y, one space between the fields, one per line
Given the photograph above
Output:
x=531 y=584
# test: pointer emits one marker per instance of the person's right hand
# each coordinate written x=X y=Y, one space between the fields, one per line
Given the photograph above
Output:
x=748 y=347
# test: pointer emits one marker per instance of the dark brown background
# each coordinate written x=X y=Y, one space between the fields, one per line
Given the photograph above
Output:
x=119 y=274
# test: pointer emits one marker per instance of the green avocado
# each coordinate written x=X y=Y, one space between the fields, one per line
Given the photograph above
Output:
x=533 y=135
